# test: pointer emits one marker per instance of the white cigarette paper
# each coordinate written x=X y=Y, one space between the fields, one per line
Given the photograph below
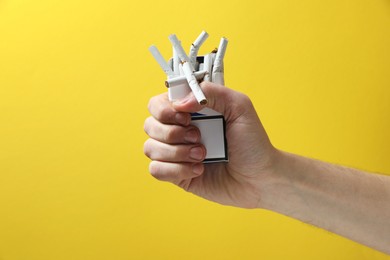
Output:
x=176 y=62
x=218 y=73
x=195 y=47
x=178 y=48
x=181 y=72
x=161 y=61
x=178 y=87
x=218 y=78
x=207 y=65
x=182 y=80
x=170 y=64
x=198 y=93
x=188 y=70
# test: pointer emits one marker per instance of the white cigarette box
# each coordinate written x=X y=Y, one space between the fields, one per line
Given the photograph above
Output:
x=210 y=123
x=213 y=134
x=184 y=73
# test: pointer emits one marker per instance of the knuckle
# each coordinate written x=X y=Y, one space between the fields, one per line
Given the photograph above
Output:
x=147 y=125
x=154 y=169
x=244 y=98
x=150 y=104
x=165 y=114
x=177 y=153
x=161 y=109
x=176 y=173
x=147 y=148
x=170 y=134
x=242 y=103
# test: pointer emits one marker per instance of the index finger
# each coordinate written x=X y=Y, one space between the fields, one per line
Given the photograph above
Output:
x=162 y=110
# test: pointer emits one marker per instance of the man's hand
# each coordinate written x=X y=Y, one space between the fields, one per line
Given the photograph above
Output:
x=177 y=154
x=349 y=202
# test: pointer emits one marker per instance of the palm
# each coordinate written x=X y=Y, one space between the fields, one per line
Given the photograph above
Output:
x=233 y=183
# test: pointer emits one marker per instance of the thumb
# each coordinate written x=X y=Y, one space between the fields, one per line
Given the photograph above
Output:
x=219 y=98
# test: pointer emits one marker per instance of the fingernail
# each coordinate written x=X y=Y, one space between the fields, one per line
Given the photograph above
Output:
x=196 y=153
x=198 y=168
x=191 y=136
x=182 y=118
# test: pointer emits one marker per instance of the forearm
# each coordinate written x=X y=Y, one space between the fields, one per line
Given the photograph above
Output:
x=345 y=201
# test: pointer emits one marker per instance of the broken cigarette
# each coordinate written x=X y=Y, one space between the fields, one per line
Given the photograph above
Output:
x=198 y=93
x=188 y=70
x=176 y=62
x=195 y=47
x=218 y=70
x=161 y=61
x=182 y=80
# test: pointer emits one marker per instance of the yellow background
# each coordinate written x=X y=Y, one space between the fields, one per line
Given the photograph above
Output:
x=75 y=78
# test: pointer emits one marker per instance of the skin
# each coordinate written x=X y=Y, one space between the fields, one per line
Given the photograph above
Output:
x=349 y=202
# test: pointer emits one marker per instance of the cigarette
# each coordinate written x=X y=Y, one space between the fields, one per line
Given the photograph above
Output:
x=178 y=48
x=161 y=61
x=176 y=62
x=178 y=87
x=200 y=67
x=218 y=71
x=188 y=70
x=198 y=93
x=218 y=77
x=181 y=72
x=182 y=80
x=208 y=65
x=170 y=64
x=195 y=47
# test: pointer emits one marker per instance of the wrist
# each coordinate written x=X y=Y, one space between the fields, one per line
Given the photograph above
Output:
x=278 y=184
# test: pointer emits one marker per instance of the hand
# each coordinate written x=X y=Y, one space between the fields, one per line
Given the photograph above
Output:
x=176 y=153
x=346 y=201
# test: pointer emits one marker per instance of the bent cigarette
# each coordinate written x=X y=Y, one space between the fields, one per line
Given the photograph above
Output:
x=198 y=93
x=218 y=77
x=188 y=70
x=182 y=80
x=195 y=47
x=161 y=61
x=220 y=55
x=218 y=70
x=178 y=48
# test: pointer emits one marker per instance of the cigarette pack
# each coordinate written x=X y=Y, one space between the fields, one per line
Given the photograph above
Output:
x=184 y=73
x=210 y=123
x=212 y=128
